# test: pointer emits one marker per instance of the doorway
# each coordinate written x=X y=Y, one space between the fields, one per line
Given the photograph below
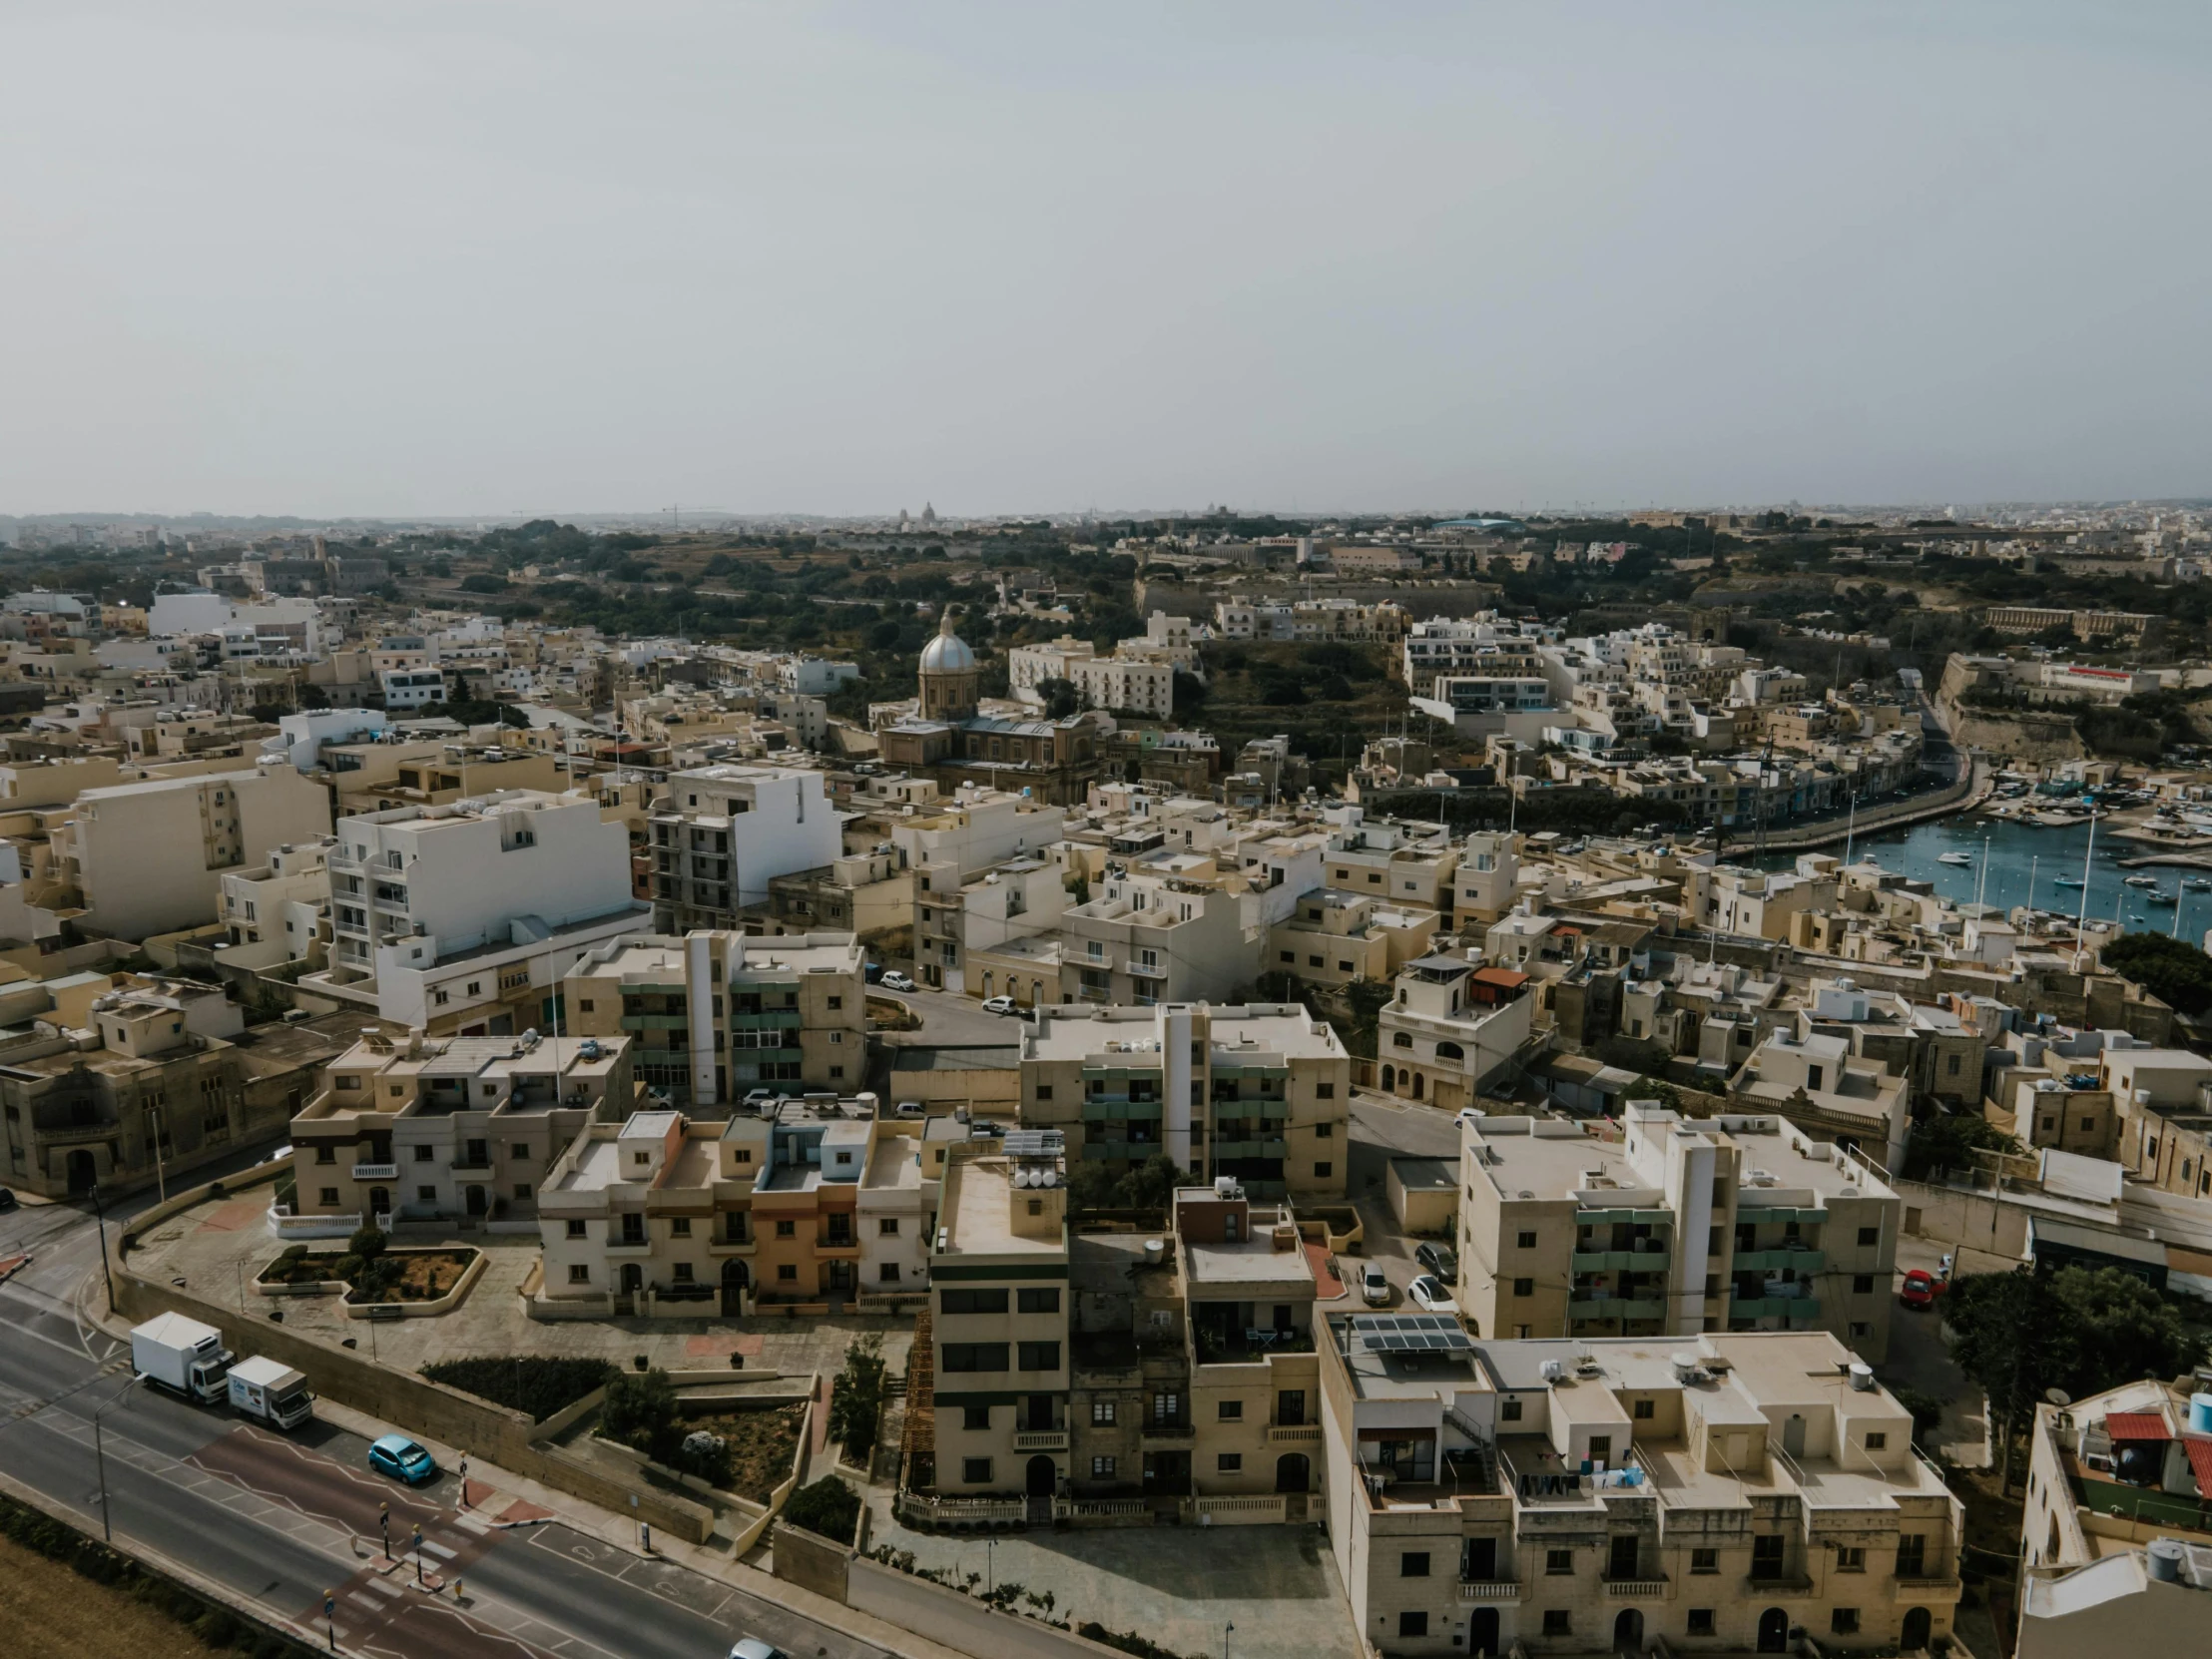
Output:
x=1621 y=1563
x=1628 y=1631
x=1293 y=1473
x=1043 y=1478
x=632 y=1277
x=475 y=1201
x=1483 y=1633
x=1774 y=1631
x=1793 y=1436
x=380 y=1201
x=1919 y=1631
x=733 y=1289
x=83 y=1171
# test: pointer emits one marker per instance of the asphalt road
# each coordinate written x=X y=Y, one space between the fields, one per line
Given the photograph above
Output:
x=947 y=1017
x=282 y=1518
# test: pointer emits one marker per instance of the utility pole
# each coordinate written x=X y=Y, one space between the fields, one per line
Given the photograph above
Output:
x=101 y=1216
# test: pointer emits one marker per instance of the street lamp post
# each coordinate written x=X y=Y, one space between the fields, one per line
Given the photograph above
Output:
x=99 y=1456
x=101 y=1216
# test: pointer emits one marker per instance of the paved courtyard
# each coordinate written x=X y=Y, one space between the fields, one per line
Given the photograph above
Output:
x=1179 y=1585
x=219 y=1246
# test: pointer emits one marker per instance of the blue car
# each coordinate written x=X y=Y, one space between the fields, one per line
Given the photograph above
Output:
x=402 y=1459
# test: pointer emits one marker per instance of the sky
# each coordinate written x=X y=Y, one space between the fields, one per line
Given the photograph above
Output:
x=494 y=256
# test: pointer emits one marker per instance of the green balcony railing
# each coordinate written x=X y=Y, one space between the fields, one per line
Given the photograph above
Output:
x=1795 y=1309
x=772 y=1019
x=1615 y=1308
x=656 y=1023
x=1620 y=1261
x=1769 y=1261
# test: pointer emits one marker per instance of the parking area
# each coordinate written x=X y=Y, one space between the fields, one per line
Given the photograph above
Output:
x=216 y=1248
x=1180 y=1586
x=1382 y=1129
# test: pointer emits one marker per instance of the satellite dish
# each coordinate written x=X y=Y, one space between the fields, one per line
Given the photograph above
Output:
x=2058 y=1397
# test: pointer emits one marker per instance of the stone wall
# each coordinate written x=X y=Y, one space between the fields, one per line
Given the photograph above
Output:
x=809 y=1560
x=960 y=1622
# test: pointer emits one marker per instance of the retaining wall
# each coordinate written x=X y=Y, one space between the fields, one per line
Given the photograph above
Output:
x=960 y=1622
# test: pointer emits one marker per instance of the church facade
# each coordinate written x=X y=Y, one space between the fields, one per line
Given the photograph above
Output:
x=949 y=739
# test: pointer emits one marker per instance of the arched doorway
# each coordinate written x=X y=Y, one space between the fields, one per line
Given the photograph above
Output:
x=734 y=1281
x=1483 y=1633
x=1919 y=1631
x=1293 y=1473
x=83 y=1171
x=1390 y=1079
x=1628 y=1631
x=1774 y=1631
x=1043 y=1475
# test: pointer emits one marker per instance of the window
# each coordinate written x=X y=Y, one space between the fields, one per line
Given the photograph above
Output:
x=1701 y=1622
x=1647 y=1407
x=887 y=1272
x=887 y=1226
x=1038 y=1357
x=1851 y=1559
x=787 y=1228
x=1861 y=1284
x=1325 y=1091
x=1102 y=1468
x=1560 y=1564
x=1413 y=1563
x=1877 y=1440
x=1704 y=1562
x=679 y=1227
x=326 y=1153
x=1862 y=1328
x=585 y=1004
x=426 y=1195
x=1232 y=1410
x=330 y=1197
x=1526 y=1240
x=787 y=1273
x=1102 y=1412
x=1402 y=1039
x=1524 y=1287
x=972 y=1302
x=836 y=1002
x=1509 y=1410
x=1324 y=1131
x=1045 y=1300
x=1870 y=1235
x=1324 y=1171
x=576 y=1228
x=975 y=1472
x=1844 y=1622
x=1229 y=1462
x=579 y=1273
x=974 y=1357
x=1766 y=1556
x=1558 y=1622
x=977 y=1419
x=1045 y=1091
x=1412 y=1624
x=423 y=1154
x=519 y=1149
x=1913 y=1555
x=683 y=1273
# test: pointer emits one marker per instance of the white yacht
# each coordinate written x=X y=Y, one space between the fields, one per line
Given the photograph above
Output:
x=1954 y=858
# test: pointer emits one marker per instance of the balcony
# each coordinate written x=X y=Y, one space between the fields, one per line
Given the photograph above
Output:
x=1774 y=1306
x=1620 y=1261
x=629 y=1247
x=1779 y=1586
x=1616 y=1308
x=1147 y=971
x=1491 y=1589
x=656 y=1023
x=1154 y=1430
x=1040 y=1439
x=1773 y=1260
x=375 y=1172
x=1636 y=1587
x=1294 y=1434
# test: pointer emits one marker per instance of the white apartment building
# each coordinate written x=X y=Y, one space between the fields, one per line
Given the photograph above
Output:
x=974 y=829
x=411 y=688
x=149 y=857
x=1450 y=1027
x=720 y=834
x=280 y=911
x=463 y=918
x=1307 y=620
x=1131 y=682
x=1481 y=647
x=1408 y=863
x=1261 y=1092
x=957 y=917
x=1482 y=883
x=1669 y=1228
x=1160 y=935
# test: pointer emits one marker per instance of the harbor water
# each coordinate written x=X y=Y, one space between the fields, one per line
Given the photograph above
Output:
x=2006 y=857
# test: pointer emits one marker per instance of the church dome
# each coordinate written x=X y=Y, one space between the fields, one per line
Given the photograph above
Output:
x=947 y=653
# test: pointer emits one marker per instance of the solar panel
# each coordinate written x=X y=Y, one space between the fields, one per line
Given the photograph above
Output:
x=1034 y=1143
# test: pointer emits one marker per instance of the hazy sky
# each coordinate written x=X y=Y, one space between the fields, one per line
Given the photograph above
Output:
x=455 y=257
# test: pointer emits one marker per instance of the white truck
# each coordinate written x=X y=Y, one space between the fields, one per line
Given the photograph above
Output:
x=275 y=1394
x=182 y=1355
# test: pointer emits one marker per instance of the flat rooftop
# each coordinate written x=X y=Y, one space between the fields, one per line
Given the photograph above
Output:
x=1246 y=1266
x=1267 y=1028
x=979 y=1203
x=598 y=1166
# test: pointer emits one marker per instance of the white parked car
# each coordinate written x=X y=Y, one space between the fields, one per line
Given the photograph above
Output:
x=1374 y=1286
x=998 y=1005
x=895 y=981
x=1467 y=1114
x=752 y=1647
x=1429 y=1296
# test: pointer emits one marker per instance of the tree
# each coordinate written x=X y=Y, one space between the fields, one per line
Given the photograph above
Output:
x=1061 y=699
x=367 y=1243
x=1152 y=1183
x=2173 y=970
x=829 y=1508
x=2124 y=1329
x=640 y=1412
x=857 y=1403
x=1949 y=1141
x=2006 y=1339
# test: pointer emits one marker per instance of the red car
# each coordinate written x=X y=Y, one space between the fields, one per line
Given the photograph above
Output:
x=1919 y=1289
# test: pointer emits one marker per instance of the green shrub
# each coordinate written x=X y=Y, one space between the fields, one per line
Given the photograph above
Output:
x=641 y=1412
x=829 y=1508
x=368 y=1242
x=857 y=1404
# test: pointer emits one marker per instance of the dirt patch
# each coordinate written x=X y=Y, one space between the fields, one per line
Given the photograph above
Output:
x=395 y=1275
x=78 y=1619
x=761 y=1444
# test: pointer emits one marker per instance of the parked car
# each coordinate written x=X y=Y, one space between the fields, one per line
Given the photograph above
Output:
x=1374 y=1286
x=1919 y=1289
x=1467 y=1114
x=909 y=1109
x=1428 y=1295
x=998 y=1005
x=895 y=981
x=752 y=1647
x=402 y=1459
x=1438 y=1260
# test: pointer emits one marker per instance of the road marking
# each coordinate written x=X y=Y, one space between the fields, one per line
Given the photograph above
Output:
x=439 y=1550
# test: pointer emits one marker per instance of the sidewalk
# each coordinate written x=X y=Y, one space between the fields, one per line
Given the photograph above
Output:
x=500 y=1498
